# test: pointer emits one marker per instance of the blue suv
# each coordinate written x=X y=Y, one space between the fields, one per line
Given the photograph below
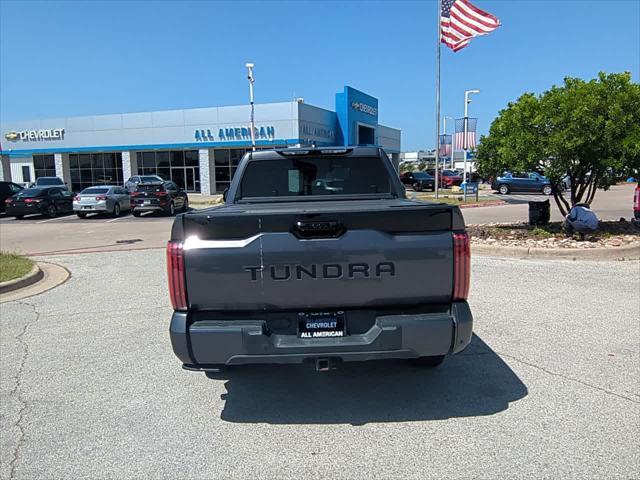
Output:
x=531 y=182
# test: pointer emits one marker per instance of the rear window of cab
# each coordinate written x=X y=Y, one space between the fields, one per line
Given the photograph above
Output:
x=314 y=176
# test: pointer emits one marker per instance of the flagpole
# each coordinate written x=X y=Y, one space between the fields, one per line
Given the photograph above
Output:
x=438 y=100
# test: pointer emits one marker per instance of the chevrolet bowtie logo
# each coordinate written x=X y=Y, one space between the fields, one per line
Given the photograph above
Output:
x=11 y=136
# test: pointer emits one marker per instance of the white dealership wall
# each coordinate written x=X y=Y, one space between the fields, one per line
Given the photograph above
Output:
x=279 y=124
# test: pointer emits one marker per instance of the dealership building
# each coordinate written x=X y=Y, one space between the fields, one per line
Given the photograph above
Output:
x=197 y=148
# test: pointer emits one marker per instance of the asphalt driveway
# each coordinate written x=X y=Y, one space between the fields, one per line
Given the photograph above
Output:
x=89 y=387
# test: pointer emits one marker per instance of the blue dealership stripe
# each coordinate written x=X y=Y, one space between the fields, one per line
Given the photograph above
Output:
x=124 y=148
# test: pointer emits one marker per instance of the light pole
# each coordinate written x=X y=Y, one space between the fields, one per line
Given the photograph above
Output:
x=444 y=120
x=467 y=101
x=253 y=124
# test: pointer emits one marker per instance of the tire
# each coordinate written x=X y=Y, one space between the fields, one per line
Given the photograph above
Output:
x=428 y=362
x=185 y=206
x=19 y=217
x=172 y=209
x=547 y=190
x=116 y=210
x=52 y=211
x=81 y=215
x=135 y=213
x=503 y=189
x=417 y=187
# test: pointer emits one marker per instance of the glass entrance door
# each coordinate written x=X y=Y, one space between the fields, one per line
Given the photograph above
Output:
x=187 y=178
x=190 y=179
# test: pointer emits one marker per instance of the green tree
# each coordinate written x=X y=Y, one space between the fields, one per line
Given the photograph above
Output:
x=589 y=131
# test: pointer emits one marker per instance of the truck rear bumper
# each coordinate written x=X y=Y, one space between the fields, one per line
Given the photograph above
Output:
x=213 y=343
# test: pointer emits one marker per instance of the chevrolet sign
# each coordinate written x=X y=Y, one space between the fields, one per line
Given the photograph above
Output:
x=36 y=135
x=364 y=108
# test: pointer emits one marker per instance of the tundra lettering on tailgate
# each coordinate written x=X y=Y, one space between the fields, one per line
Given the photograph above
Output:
x=324 y=271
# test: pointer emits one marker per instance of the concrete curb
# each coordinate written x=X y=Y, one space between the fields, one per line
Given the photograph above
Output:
x=630 y=252
x=35 y=275
x=53 y=276
x=493 y=203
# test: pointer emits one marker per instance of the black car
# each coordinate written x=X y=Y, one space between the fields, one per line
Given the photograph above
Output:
x=49 y=182
x=418 y=180
x=163 y=196
x=7 y=189
x=48 y=201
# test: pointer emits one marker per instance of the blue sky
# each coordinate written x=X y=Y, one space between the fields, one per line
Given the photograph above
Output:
x=77 y=58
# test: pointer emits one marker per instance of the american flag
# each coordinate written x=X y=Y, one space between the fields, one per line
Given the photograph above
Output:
x=460 y=21
x=470 y=143
x=445 y=145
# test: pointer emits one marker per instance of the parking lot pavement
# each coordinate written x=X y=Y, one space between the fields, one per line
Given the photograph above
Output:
x=66 y=234
x=549 y=387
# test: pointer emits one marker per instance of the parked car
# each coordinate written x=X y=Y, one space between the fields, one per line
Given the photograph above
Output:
x=522 y=182
x=419 y=181
x=134 y=181
x=407 y=178
x=48 y=201
x=7 y=189
x=306 y=275
x=448 y=178
x=160 y=196
x=49 y=182
x=423 y=181
x=110 y=199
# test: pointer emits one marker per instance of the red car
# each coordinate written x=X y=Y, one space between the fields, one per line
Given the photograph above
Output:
x=448 y=178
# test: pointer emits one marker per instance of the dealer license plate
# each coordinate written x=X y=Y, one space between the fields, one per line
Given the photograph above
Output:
x=321 y=324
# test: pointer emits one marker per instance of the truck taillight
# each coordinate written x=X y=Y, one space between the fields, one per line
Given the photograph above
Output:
x=176 y=274
x=636 y=200
x=461 y=266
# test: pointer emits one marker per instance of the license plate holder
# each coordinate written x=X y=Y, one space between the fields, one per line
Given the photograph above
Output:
x=321 y=324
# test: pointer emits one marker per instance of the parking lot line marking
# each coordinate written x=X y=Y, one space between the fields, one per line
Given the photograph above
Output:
x=115 y=219
x=67 y=217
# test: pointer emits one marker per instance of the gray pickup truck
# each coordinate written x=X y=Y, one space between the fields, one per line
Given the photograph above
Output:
x=317 y=255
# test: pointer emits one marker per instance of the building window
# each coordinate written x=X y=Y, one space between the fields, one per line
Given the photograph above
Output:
x=179 y=166
x=88 y=169
x=44 y=166
x=26 y=174
x=226 y=164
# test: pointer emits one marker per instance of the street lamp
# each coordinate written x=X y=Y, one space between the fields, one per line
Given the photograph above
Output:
x=467 y=101
x=251 y=82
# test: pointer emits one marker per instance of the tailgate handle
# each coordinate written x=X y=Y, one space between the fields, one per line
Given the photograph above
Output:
x=313 y=229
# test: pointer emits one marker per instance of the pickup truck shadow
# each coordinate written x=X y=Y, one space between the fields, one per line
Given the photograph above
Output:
x=474 y=382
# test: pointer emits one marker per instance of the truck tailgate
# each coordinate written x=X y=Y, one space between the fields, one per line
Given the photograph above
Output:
x=323 y=256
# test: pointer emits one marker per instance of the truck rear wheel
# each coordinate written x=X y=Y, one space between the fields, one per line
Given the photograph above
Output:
x=428 y=362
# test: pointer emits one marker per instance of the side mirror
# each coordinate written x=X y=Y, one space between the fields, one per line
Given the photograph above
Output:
x=224 y=194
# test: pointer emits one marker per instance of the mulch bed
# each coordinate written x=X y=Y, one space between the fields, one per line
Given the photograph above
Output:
x=609 y=235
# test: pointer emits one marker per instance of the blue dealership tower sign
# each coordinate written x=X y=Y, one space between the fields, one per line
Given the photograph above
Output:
x=357 y=115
